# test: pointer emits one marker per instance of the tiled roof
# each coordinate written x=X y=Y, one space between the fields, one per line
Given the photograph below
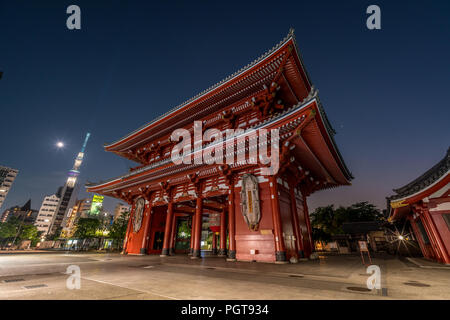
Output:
x=266 y=122
x=289 y=36
x=312 y=96
x=425 y=180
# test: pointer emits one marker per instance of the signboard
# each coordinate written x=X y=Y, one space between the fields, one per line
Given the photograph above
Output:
x=97 y=204
x=363 y=246
x=138 y=214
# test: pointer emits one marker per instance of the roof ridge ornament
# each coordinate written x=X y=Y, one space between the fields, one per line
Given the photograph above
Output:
x=291 y=32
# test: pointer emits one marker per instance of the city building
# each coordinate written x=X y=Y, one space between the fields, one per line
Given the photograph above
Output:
x=81 y=209
x=47 y=212
x=7 y=177
x=258 y=207
x=120 y=209
x=68 y=194
x=425 y=205
x=24 y=213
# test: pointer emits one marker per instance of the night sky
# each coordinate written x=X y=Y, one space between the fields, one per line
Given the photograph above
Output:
x=385 y=91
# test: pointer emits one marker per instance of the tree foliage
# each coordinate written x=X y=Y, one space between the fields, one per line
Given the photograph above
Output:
x=184 y=232
x=118 y=229
x=9 y=228
x=30 y=232
x=87 y=228
x=327 y=221
x=14 y=228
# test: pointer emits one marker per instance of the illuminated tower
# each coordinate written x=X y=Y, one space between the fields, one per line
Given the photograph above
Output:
x=68 y=195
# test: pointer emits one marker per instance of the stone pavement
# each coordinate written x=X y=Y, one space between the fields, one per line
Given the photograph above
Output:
x=424 y=263
x=25 y=251
x=115 y=276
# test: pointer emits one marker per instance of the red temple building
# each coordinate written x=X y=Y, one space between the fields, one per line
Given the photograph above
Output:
x=425 y=204
x=252 y=215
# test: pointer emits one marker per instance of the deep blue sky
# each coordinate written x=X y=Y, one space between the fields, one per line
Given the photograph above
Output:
x=386 y=92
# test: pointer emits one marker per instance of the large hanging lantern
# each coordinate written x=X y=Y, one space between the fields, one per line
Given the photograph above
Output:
x=214 y=222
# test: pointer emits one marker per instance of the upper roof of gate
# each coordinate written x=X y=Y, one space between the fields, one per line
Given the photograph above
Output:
x=240 y=84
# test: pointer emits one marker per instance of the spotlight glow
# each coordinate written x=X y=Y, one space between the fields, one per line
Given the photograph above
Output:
x=60 y=144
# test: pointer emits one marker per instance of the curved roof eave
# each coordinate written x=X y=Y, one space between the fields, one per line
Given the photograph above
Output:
x=312 y=98
x=331 y=132
x=290 y=37
x=422 y=192
x=424 y=181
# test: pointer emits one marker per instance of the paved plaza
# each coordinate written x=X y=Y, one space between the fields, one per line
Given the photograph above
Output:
x=115 y=276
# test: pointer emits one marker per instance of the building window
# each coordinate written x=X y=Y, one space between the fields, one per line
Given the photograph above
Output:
x=446 y=217
x=422 y=232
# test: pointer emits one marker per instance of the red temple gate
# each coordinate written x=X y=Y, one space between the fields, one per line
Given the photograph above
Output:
x=425 y=203
x=263 y=217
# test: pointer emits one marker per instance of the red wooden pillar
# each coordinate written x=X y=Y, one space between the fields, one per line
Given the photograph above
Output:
x=433 y=246
x=191 y=248
x=440 y=244
x=422 y=245
x=280 y=250
x=214 y=243
x=173 y=235
x=168 y=230
x=198 y=228
x=308 y=224
x=145 y=237
x=231 y=225
x=296 y=223
x=223 y=235
x=431 y=238
x=125 y=241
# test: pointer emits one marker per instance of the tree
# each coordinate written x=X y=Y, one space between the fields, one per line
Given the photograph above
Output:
x=15 y=230
x=184 y=231
x=87 y=228
x=118 y=229
x=363 y=211
x=327 y=221
x=324 y=219
x=30 y=232
x=8 y=230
